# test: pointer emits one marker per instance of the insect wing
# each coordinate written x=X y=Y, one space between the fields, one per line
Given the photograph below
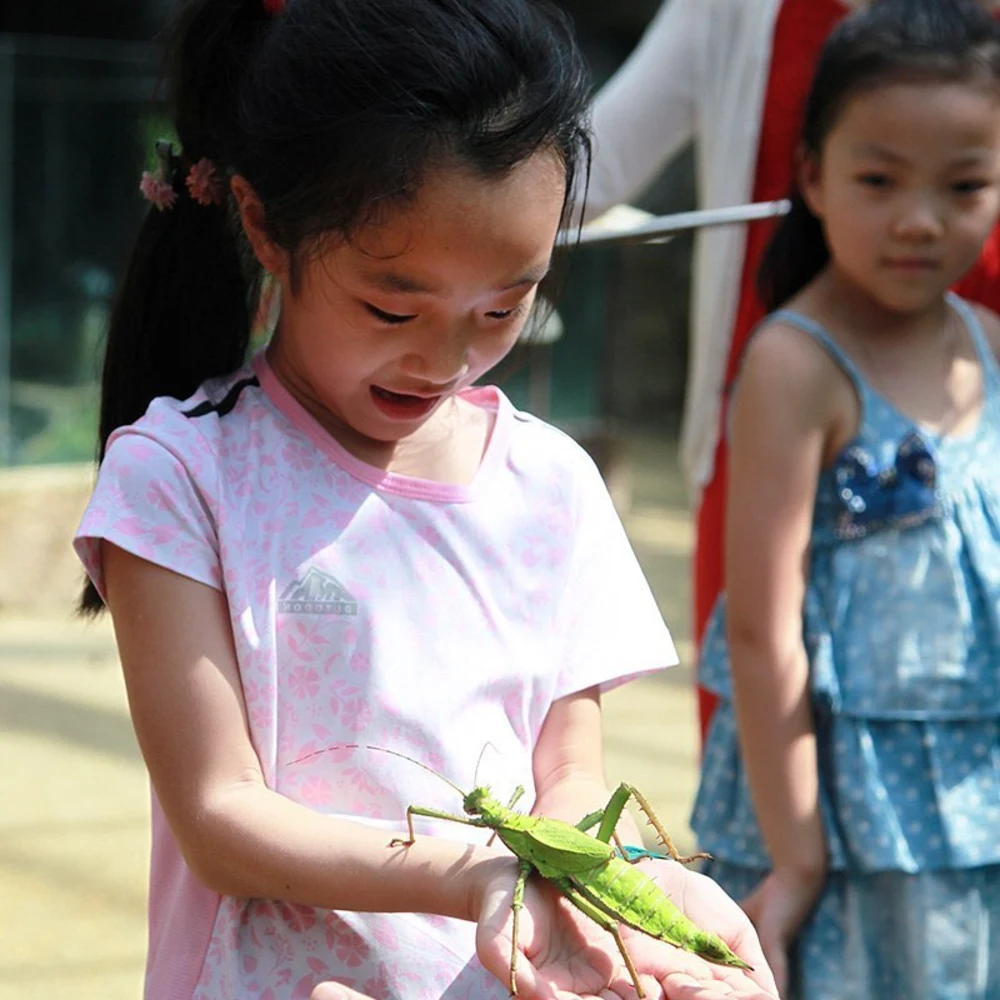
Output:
x=557 y=849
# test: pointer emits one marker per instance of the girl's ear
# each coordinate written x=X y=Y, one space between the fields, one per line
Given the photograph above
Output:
x=273 y=258
x=809 y=172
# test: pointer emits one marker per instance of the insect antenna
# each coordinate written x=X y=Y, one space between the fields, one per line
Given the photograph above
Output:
x=394 y=753
x=479 y=761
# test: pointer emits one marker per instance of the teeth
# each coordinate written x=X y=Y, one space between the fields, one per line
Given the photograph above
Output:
x=397 y=396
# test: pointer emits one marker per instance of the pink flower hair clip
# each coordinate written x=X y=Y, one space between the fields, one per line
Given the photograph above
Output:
x=157 y=191
x=204 y=183
x=274 y=7
x=157 y=185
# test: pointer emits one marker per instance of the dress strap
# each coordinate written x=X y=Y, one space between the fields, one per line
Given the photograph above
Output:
x=819 y=333
x=967 y=314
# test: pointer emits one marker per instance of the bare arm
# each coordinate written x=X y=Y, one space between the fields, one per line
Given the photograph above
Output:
x=647 y=111
x=569 y=763
x=239 y=837
x=779 y=425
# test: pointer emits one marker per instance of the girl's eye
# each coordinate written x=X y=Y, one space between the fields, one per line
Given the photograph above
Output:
x=969 y=186
x=506 y=313
x=877 y=181
x=394 y=319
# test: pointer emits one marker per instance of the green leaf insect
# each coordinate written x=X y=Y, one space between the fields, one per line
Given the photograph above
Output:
x=601 y=881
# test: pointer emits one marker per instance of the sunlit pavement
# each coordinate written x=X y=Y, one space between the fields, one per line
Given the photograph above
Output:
x=73 y=792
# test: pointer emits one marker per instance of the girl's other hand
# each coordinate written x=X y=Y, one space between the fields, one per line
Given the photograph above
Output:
x=778 y=907
x=564 y=955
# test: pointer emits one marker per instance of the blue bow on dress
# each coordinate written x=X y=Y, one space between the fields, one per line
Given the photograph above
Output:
x=900 y=496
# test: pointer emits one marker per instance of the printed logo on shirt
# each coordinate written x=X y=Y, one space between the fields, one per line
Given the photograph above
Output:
x=317 y=593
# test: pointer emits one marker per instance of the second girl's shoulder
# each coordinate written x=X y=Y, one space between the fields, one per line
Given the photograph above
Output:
x=785 y=362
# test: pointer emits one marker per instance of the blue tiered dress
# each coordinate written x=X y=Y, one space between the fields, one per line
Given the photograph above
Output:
x=901 y=623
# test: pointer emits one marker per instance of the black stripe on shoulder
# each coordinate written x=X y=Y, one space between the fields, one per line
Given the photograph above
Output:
x=225 y=405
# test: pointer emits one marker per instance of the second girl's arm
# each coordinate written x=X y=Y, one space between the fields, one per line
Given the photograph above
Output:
x=239 y=837
x=779 y=424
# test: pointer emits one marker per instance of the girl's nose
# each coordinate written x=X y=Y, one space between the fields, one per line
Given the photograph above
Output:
x=442 y=359
x=920 y=220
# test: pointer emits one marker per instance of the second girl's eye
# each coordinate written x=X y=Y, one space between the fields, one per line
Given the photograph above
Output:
x=970 y=186
x=394 y=319
x=874 y=180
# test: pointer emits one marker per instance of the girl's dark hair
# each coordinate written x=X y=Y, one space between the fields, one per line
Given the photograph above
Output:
x=332 y=110
x=893 y=41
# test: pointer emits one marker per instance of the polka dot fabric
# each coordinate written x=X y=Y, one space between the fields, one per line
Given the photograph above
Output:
x=901 y=623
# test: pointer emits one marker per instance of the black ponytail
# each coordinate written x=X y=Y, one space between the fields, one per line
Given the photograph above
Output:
x=184 y=307
x=796 y=254
x=893 y=41
x=332 y=110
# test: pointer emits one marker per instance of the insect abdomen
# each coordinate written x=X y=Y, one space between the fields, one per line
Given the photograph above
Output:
x=626 y=893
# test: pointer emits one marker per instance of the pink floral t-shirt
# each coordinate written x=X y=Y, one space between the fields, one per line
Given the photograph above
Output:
x=368 y=607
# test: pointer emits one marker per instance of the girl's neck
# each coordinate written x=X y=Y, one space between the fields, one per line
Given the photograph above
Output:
x=839 y=302
x=924 y=362
x=448 y=448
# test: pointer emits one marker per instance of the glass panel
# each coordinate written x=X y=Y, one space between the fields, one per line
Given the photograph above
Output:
x=80 y=116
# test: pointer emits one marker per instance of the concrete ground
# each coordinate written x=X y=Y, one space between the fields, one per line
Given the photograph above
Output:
x=73 y=792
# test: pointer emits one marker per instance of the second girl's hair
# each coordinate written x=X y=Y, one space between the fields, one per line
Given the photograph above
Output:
x=893 y=41
x=333 y=110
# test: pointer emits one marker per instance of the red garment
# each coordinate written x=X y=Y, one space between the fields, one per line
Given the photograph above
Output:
x=800 y=30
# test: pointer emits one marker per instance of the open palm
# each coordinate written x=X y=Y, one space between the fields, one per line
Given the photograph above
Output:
x=564 y=956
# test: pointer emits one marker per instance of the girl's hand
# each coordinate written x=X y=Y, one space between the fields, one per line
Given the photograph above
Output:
x=563 y=955
x=778 y=907
x=334 y=991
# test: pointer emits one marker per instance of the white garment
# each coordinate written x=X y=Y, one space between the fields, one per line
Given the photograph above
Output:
x=700 y=71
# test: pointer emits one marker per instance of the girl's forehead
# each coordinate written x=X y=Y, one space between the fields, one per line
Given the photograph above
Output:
x=940 y=117
x=502 y=228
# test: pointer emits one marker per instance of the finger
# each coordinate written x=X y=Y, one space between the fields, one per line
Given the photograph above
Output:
x=683 y=986
x=530 y=985
x=777 y=957
x=335 y=991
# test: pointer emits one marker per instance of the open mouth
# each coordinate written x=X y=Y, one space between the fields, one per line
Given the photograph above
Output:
x=402 y=404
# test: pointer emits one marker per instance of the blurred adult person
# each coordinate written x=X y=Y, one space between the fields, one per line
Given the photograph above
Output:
x=733 y=76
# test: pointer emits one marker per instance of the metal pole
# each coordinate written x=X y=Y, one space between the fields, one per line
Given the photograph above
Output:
x=666 y=227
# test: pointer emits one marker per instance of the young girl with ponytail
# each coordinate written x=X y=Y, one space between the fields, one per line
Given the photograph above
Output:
x=345 y=539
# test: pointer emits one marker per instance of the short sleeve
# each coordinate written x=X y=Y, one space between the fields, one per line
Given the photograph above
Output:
x=151 y=503
x=611 y=626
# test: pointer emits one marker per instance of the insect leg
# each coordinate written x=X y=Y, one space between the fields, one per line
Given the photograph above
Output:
x=412 y=811
x=592 y=819
x=524 y=870
x=613 y=811
x=600 y=918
